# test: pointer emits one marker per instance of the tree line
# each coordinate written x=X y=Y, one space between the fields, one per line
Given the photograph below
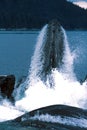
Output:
x=35 y=13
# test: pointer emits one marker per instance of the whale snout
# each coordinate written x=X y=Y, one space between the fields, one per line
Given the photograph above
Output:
x=54 y=24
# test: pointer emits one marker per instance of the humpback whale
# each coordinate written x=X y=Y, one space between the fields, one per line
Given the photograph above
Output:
x=58 y=117
x=49 y=51
x=54 y=117
x=53 y=47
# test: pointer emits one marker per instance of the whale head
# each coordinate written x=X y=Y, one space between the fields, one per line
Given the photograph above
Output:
x=49 y=51
x=53 y=47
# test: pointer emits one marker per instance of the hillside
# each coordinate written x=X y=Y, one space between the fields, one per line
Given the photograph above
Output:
x=35 y=13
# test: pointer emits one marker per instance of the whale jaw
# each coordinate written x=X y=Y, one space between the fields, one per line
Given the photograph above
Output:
x=53 y=47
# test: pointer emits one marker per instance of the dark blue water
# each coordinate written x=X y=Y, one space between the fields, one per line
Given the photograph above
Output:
x=78 y=44
x=17 y=47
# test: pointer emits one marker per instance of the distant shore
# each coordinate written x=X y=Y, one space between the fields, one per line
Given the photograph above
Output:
x=37 y=29
x=19 y=29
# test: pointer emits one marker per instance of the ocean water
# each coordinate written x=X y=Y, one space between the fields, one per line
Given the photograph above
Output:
x=16 y=50
x=78 y=44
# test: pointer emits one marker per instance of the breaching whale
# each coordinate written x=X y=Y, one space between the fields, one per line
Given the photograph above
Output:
x=53 y=47
x=50 y=53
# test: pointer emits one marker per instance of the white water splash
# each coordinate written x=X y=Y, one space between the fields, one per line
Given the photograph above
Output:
x=36 y=63
x=66 y=90
x=68 y=60
x=8 y=111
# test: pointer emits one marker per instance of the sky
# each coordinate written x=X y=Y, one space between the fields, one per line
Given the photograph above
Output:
x=81 y=3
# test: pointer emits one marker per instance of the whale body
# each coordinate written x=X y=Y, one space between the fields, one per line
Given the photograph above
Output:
x=51 y=52
x=58 y=117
